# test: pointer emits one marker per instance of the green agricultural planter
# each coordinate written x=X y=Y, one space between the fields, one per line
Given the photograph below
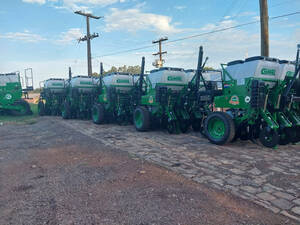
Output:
x=245 y=95
x=200 y=92
x=284 y=101
x=114 y=101
x=11 y=95
x=80 y=96
x=52 y=97
x=159 y=100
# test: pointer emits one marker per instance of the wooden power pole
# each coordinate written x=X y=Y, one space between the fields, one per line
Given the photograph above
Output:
x=264 y=24
x=88 y=37
x=159 y=63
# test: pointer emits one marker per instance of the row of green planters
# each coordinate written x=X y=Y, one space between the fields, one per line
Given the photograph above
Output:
x=257 y=98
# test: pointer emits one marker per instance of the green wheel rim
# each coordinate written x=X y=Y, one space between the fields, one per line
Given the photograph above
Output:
x=216 y=128
x=95 y=114
x=138 y=119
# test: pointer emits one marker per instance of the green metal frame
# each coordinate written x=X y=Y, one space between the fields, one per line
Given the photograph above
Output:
x=236 y=97
x=170 y=113
x=118 y=104
x=10 y=94
x=53 y=102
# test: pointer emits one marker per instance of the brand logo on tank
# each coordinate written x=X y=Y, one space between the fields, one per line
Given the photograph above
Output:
x=174 y=78
x=266 y=71
x=234 y=100
x=8 y=96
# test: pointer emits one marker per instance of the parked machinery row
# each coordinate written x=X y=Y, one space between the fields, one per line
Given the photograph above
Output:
x=256 y=98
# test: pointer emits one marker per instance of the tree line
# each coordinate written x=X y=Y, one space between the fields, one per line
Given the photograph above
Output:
x=123 y=69
x=131 y=69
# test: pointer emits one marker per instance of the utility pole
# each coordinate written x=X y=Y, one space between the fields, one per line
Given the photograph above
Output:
x=88 y=37
x=101 y=69
x=159 y=63
x=264 y=24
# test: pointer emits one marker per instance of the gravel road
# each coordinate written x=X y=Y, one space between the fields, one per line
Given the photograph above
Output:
x=52 y=174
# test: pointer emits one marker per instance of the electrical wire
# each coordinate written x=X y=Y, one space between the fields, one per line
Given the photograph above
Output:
x=227 y=11
x=281 y=3
x=198 y=35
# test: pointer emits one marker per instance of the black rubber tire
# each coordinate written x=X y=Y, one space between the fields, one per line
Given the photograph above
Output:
x=241 y=133
x=47 y=109
x=41 y=108
x=254 y=131
x=244 y=134
x=196 y=125
x=237 y=135
x=184 y=126
x=53 y=112
x=293 y=134
x=269 y=138
x=229 y=132
x=171 y=127
x=298 y=134
x=101 y=114
x=232 y=127
x=25 y=105
x=145 y=118
x=66 y=111
x=284 y=137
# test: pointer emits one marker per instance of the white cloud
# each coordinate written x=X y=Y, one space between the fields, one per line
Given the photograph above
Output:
x=180 y=7
x=134 y=19
x=221 y=25
x=94 y=2
x=247 y=13
x=35 y=1
x=74 y=5
x=25 y=36
x=233 y=44
x=256 y=18
x=70 y=36
x=83 y=5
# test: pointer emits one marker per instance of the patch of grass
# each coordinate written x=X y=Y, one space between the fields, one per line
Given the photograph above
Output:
x=29 y=119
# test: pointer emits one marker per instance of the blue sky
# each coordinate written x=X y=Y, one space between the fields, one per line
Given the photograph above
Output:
x=43 y=34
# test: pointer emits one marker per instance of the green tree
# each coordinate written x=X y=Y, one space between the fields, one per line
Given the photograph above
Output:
x=95 y=74
x=134 y=69
x=208 y=68
x=124 y=69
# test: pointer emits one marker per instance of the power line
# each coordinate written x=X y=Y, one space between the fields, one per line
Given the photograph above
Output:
x=240 y=10
x=227 y=11
x=231 y=7
x=280 y=3
x=198 y=35
x=125 y=51
x=229 y=28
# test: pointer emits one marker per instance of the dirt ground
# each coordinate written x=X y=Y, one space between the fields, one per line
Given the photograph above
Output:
x=51 y=174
